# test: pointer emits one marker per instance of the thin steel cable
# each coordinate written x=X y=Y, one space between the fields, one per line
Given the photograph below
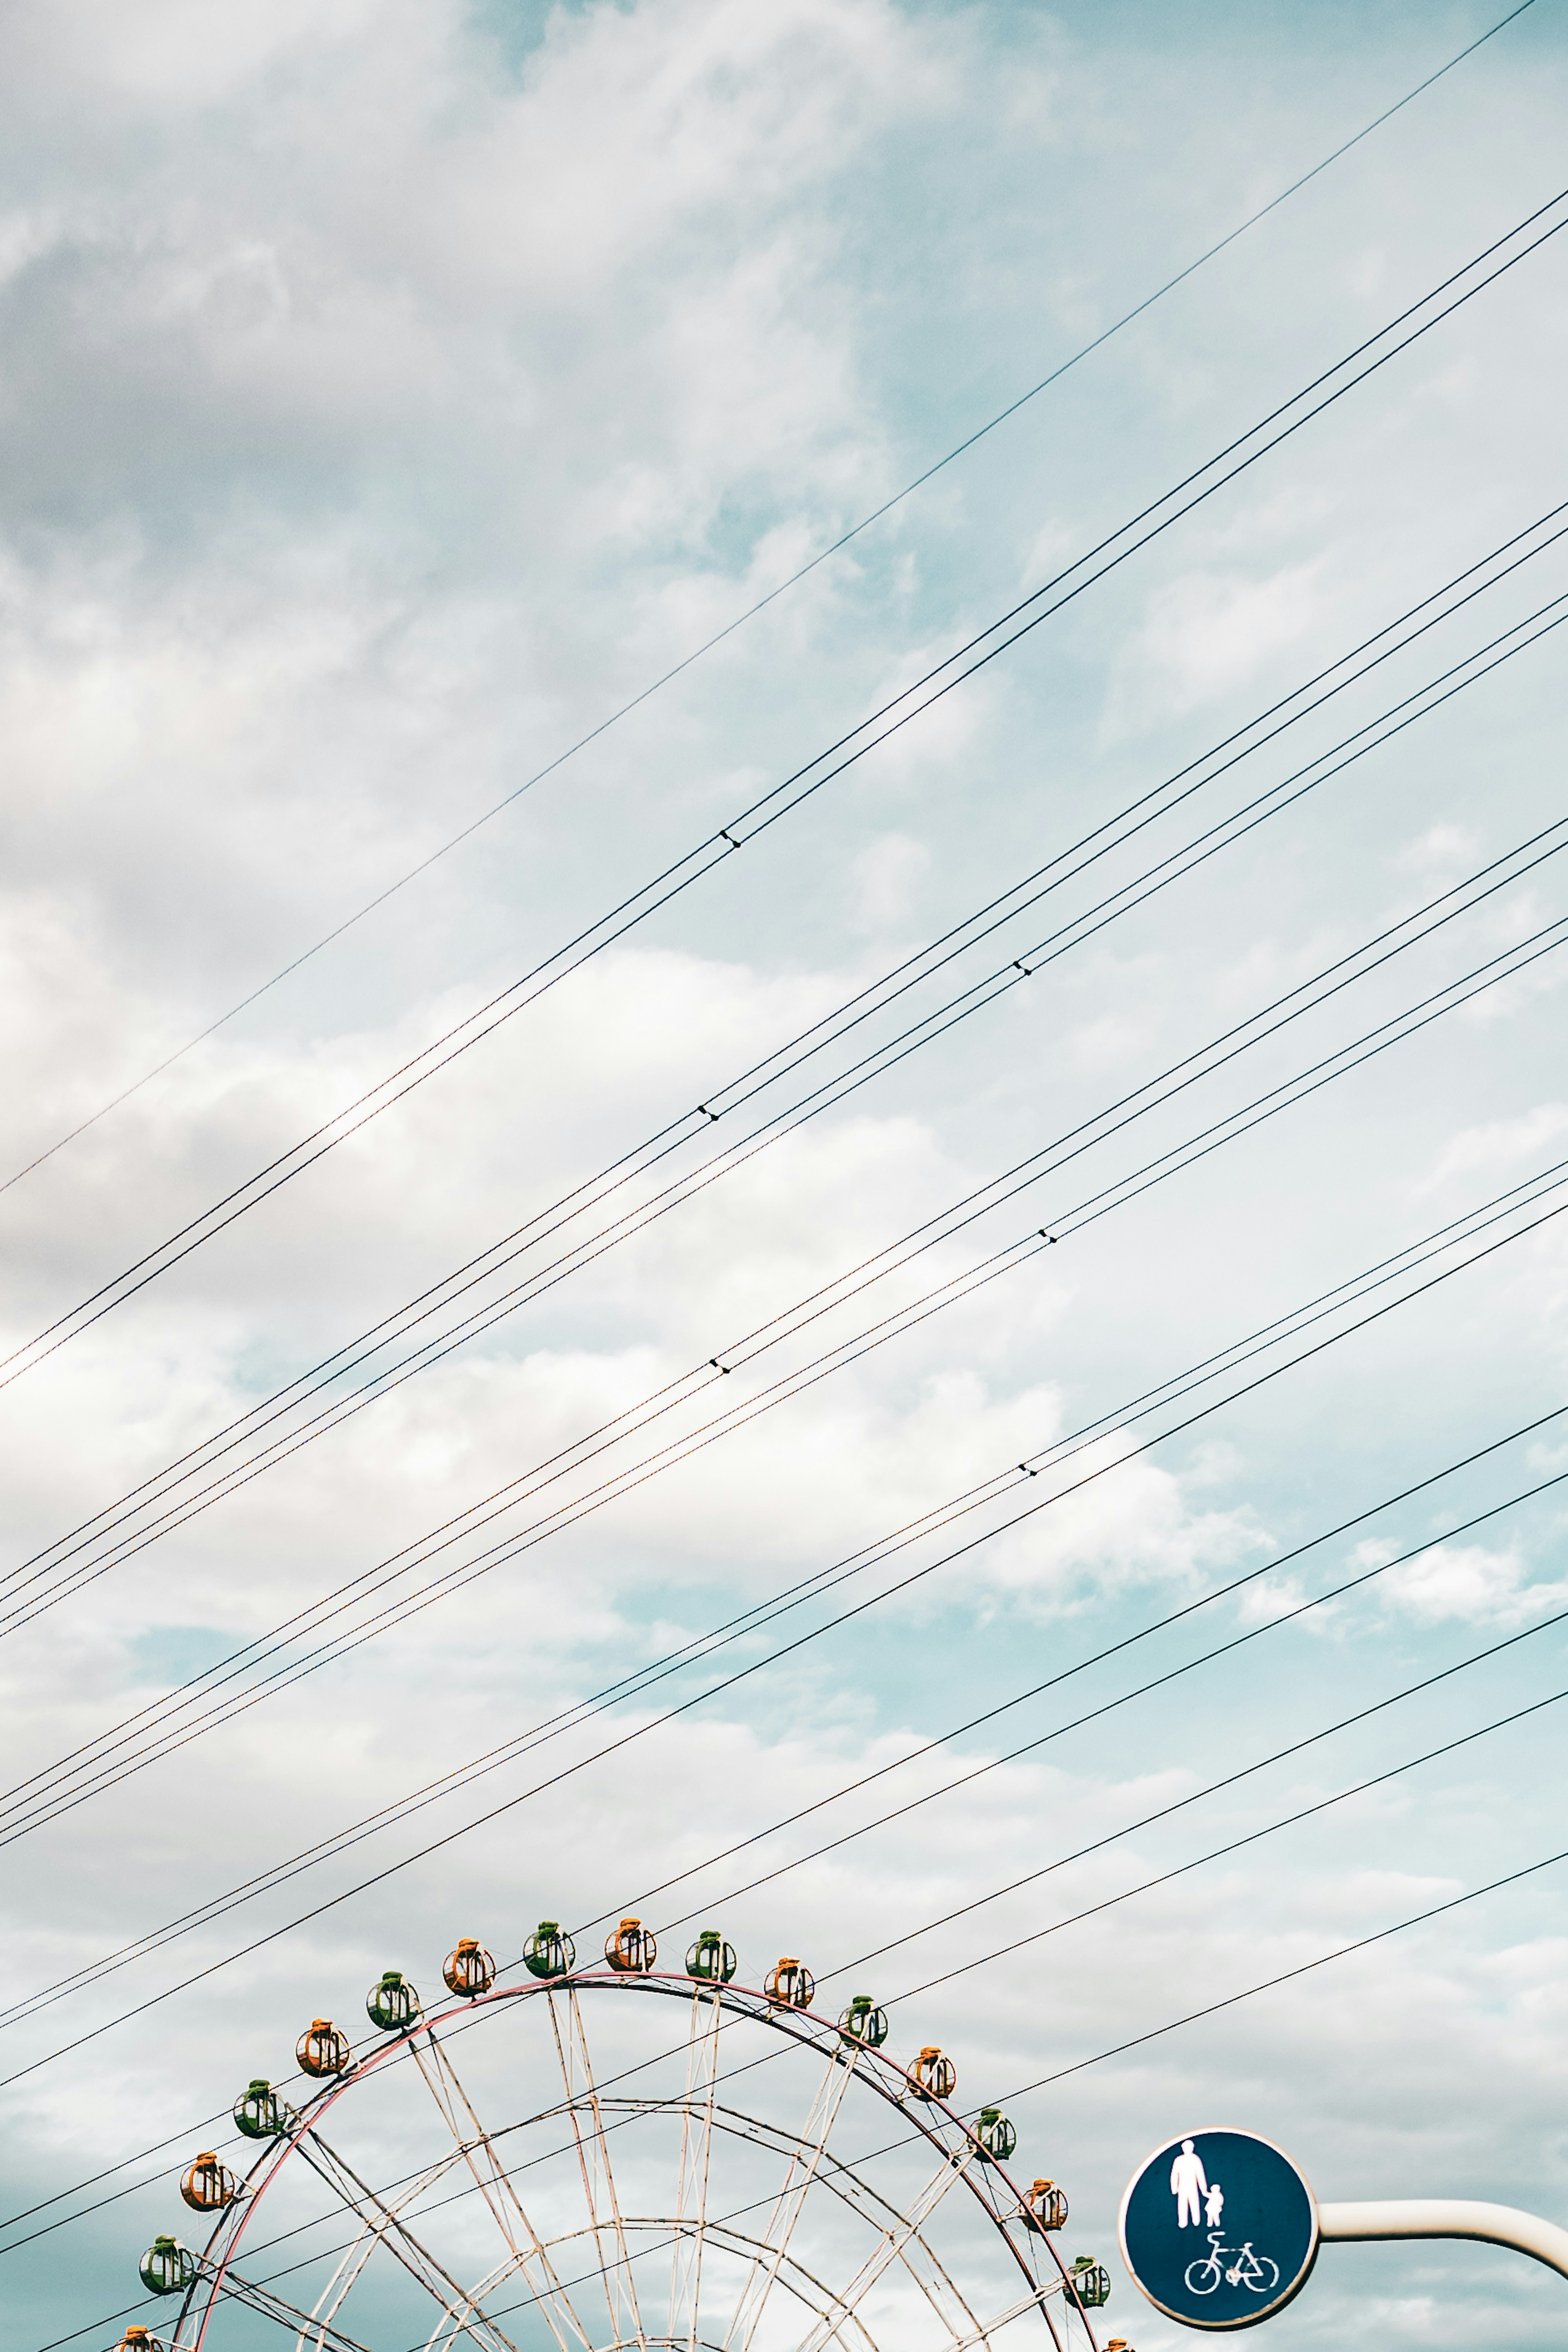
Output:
x=1031 y=1747
x=1130 y=1411
x=189 y=1466
x=1289 y=1975
x=699 y=1374
x=1279 y=1097
x=399 y=1612
x=708 y=856
x=48 y=1804
x=744 y=1674
x=836 y=548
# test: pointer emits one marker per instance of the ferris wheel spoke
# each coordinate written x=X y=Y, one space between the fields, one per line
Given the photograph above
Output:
x=945 y=2298
x=805 y=2158
x=1035 y=2302
x=598 y=2179
x=795 y=2280
x=386 y=2226
x=304 y=2324
x=355 y=2255
x=690 y=2231
x=478 y=2150
x=889 y=2248
x=444 y=2334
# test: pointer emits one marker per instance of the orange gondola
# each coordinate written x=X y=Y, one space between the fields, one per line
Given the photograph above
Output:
x=932 y=2074
x=209 y=2186
x=1046 y=2206
x=469 y=1970
x=790 y=1984
x=632 y=1951
x=321 y=2049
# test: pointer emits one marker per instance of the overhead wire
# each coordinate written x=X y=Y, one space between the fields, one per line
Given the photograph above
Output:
x=781 y=800
x=1447 y=999
x=1125 y=1414
x=1291 y=1976
x=1106 y=1468
x=835 y=548
x=1423 y=1547
x=1231 y=1846
x=1044 y=952
x=198 y=1461
x=1078 y=1723
x=744 y=1674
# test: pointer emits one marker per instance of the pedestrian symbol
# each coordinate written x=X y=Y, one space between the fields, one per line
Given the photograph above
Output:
x=1219 y=2229
x=1187 y=2184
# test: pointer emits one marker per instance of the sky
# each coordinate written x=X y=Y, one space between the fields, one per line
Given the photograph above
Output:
x=437 y=440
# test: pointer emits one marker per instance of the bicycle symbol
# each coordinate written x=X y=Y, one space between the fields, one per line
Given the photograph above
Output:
x=1254 y=2271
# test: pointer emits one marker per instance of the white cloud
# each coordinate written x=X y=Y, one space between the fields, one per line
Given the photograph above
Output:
x=1500 y=1145
x=886 y=878
x=1208 y=632
x=1471 y=1583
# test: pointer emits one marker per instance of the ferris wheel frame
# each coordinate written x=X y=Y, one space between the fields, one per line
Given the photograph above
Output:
x=216 y=2282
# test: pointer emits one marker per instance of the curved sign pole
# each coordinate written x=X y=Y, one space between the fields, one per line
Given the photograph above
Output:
x=1448 y=2217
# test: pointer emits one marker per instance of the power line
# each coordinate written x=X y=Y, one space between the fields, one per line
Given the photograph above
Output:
x=1132 y=1410
x=734 y=1349
x=1274 y=1564
x=982 y=993
x=420 y=1600
x=1233 y=1845
x=1289 y=1975
x=836 y=548
x=744 y=1674
x=1021 y=1177
x=1080 y=1723
x=782 y=799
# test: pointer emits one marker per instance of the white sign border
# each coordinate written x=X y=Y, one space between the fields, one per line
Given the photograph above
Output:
x=1248 y=2318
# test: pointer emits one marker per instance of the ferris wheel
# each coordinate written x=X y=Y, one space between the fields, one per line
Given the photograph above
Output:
x=722 y=2170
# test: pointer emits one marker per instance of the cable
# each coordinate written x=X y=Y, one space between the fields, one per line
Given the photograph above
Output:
x=698 y=1376
x=836 y=548
x=614 y=1746
x=422 y=1600
x=1132 y=1410
x=1062 y=1731
x=190 y=1465
x=1267 y=1106
x=1287 y=1976
x=777 y=803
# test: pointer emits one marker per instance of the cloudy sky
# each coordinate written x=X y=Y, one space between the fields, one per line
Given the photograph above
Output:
x=395 y=395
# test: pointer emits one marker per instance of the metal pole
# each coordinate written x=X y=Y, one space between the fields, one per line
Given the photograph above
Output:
x=1449 y=2217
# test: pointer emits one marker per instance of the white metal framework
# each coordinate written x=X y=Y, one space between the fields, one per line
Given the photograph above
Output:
x=758 y=2182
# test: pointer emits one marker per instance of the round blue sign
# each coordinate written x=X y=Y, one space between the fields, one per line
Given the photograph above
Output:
x=1219 y=2229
